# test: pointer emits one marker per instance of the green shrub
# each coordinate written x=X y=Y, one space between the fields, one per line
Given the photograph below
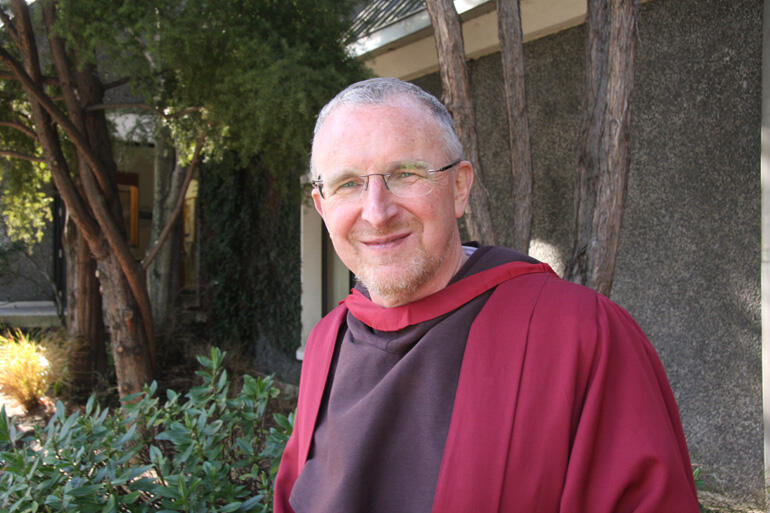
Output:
x=206 y=453
x=28 y=368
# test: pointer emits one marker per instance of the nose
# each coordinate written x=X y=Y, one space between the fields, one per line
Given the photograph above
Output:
x=377 y=202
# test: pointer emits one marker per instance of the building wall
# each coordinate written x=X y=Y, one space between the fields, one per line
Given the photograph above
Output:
x=688 y=263
x=26 y=277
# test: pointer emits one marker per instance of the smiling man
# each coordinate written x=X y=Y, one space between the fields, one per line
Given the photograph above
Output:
x=455 y=378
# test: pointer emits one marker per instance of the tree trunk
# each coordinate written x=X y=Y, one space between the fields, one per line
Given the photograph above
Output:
x=512 y=56
x=85 y=325
x=128 y=338
x=97 y=215
x=457 y=97
x=602 y=169
x=163 y=279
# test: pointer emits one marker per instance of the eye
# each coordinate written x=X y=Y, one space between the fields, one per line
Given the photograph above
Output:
x=408 y=174
x=346 y=185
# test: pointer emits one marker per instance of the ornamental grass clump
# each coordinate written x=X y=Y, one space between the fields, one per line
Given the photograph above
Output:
x=29 y=368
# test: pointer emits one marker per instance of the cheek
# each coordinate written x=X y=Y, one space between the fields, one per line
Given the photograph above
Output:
x=339 y=224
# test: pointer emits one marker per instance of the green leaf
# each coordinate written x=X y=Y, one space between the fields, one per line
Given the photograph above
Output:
x=68 y=424
x=245 y=446
x=130 y=399
x=54 y=502
x=5 y=431
x=129 y=498
x=251 y=503
x=155 y=454
x=111 y=506
x=84 y=490
x=90 y=405
x=126 y=437
x=205 y=362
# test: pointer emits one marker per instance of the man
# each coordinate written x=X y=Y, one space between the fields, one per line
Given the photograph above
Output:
x=455 y=378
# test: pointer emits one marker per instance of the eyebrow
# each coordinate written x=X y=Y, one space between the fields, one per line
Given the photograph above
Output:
x=390 y=167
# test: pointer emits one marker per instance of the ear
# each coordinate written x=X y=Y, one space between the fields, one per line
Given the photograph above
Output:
x=316 y=195
x=463 y=180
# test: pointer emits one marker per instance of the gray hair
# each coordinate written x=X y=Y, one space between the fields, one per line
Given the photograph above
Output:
x=382 y=91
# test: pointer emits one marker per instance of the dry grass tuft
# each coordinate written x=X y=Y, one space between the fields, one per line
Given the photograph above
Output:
x=28 y=368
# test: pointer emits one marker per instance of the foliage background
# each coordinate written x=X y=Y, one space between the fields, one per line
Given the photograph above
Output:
x=250 y=262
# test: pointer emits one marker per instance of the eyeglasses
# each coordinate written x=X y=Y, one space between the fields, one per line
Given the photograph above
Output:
x=407 y=180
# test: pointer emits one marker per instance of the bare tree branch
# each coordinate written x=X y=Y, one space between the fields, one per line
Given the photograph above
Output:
x=47 y=103
x=95 y=177
x=49 y=138
x=22 y=156
x=9 y=26
x=152 y=252
x=8 y=75
x=117 y=83
x=21 y=128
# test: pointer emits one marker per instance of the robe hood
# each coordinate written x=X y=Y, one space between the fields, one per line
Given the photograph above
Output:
x=444 y=301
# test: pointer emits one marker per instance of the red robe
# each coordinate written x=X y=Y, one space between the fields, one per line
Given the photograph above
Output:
x=562 y=404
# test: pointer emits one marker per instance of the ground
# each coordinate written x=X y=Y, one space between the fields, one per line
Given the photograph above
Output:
x=27 y=420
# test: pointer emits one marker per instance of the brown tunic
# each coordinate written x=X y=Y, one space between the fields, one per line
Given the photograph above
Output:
x=385 y=415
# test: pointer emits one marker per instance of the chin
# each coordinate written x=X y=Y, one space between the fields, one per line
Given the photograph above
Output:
x=400 y=285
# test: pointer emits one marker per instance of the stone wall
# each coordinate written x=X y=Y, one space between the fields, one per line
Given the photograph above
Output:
x=688 y=264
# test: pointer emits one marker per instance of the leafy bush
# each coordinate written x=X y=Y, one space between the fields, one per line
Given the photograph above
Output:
x=29 y=368
x=207 y=453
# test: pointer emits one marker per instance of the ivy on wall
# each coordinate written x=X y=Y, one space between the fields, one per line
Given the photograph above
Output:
x=250 y=256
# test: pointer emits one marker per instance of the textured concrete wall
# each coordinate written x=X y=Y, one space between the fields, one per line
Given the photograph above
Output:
x=23 y=278
x=688 y=263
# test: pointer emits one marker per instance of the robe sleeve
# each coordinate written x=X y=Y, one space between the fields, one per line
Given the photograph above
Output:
x=628 y=451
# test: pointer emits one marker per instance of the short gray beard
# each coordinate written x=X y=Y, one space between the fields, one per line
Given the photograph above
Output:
x=422 y=269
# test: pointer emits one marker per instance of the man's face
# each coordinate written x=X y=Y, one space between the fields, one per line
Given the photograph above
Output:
x=402 y=249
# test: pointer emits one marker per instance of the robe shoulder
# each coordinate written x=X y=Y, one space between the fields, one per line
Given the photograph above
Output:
x=594 y=388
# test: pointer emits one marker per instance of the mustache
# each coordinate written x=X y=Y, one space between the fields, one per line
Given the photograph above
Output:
x=366 y=233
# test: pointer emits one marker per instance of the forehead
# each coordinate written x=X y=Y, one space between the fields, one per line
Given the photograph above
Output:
x=364 y=136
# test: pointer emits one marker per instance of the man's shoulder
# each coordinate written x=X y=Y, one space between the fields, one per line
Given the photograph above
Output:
x=561 y=297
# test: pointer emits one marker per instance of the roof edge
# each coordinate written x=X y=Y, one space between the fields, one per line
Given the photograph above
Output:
x=415 y=25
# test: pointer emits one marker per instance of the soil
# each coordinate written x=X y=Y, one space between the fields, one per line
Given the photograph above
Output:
x=27 y=420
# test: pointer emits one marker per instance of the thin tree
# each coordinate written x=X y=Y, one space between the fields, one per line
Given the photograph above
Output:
x=512 y=57
x=26 y=203
x=94 y=209
x=603 y=163
x=457 y=97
